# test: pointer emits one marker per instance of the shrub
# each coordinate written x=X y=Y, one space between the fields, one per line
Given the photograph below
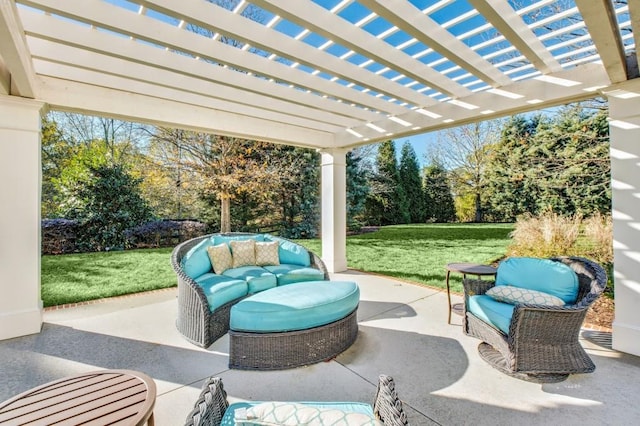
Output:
x=59 y=236
x=164 y=233
x=553 y=235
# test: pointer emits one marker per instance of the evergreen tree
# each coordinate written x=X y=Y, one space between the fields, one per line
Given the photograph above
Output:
x=387 y=204
x=110 y=203
x=558 y=164
x=439 y=204
x=357 y=189
x=411 y=183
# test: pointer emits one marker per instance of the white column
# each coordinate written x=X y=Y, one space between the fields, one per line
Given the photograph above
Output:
x=20 y=303
x=624 y=130
x=334 y=209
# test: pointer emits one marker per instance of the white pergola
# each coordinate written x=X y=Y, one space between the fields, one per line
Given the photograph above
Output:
x=324 y=74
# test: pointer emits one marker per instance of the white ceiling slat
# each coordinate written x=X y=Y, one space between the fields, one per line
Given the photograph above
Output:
x=217 y=18
x=157 y=108
x=333 y=27
x=588 y=75
x=85 y=60
x=507 y=21
x=601 y=22
x=43 y=26
x=406 y=16
x=15 y=54
x=151 y=30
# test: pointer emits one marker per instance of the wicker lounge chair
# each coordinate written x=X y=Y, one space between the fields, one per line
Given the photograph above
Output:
x=542 y=344
x=211 y=405
x=195 y=321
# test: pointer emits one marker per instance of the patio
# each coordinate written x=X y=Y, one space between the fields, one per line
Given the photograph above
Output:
x=403 y=332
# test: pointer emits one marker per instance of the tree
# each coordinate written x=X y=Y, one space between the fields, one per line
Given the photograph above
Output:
x=227 y=165
x=439 y=203
x=387 y=204
x=411 y=183
x=554 y=163
x=109 y=202
x=466 y=151
x=56 y=154
x=358 y=188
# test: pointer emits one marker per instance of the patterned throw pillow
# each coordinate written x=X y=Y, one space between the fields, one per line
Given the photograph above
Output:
x=220 y=258
x=294 y=414
x=243 y=253
x=513 y=295
x=267 y=254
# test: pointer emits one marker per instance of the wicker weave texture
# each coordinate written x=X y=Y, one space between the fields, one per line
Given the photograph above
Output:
x=542 y=340
x=278 y=351
x=195 y=322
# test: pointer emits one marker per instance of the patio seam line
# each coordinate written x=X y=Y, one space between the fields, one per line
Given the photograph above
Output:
x=375 y=385
x=192 y=383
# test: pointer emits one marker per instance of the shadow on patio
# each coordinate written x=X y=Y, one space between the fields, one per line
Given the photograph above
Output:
x=403 y=333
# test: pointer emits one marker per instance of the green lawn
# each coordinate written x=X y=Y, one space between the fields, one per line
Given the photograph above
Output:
x=419 y=253
x=416 y=253
x=73 y=278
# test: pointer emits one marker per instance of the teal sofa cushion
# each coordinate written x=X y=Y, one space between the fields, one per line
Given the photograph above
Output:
x=219 y=239
x=491 y=311
x=288 y=274
x=295 y=307
x=290 y=252
x=543 y=275
x=350 y=407
x=221 y=290
x=196 y=262
x=258 y=278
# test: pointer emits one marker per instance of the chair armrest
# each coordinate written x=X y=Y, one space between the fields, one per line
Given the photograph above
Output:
x=387 y=406
x=210 y=406
x=474 y=287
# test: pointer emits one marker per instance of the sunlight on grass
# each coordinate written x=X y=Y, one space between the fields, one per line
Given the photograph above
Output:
x=419 y=253
x=416 y=253
x=86 y=276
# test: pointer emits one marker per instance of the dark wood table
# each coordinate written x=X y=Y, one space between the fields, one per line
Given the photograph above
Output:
x=466 y=269
x=114 y=397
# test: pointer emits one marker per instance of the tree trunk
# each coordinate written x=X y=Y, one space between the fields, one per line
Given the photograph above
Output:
x=478 y=209
x=225 y=213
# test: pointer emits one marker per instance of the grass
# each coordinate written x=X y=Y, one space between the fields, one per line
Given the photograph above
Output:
x=416 y=253
x=80 y=277
x=419 y=253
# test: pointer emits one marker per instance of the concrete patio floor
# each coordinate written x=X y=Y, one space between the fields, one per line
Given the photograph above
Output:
x=403 y=332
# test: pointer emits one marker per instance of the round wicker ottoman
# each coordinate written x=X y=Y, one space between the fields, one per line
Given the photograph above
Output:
x=293 y=325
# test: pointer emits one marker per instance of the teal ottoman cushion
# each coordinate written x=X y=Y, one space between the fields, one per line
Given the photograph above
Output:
x=543 y=275
x=491 y=311
x=221 y=290
x=258 y=278
x=288 y=274
x=295 y=307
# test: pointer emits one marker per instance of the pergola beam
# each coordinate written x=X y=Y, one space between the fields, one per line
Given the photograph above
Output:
x=506 y=20
x=153 y=31
x=406 y=17
x=148 y=108
x=317 y=19
x=15 y=55
x=602 y=24
x=218 y=19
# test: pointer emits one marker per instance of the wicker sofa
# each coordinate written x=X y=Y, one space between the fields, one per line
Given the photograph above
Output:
x=540 y=343
x=197 y=322
x=212 y=408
